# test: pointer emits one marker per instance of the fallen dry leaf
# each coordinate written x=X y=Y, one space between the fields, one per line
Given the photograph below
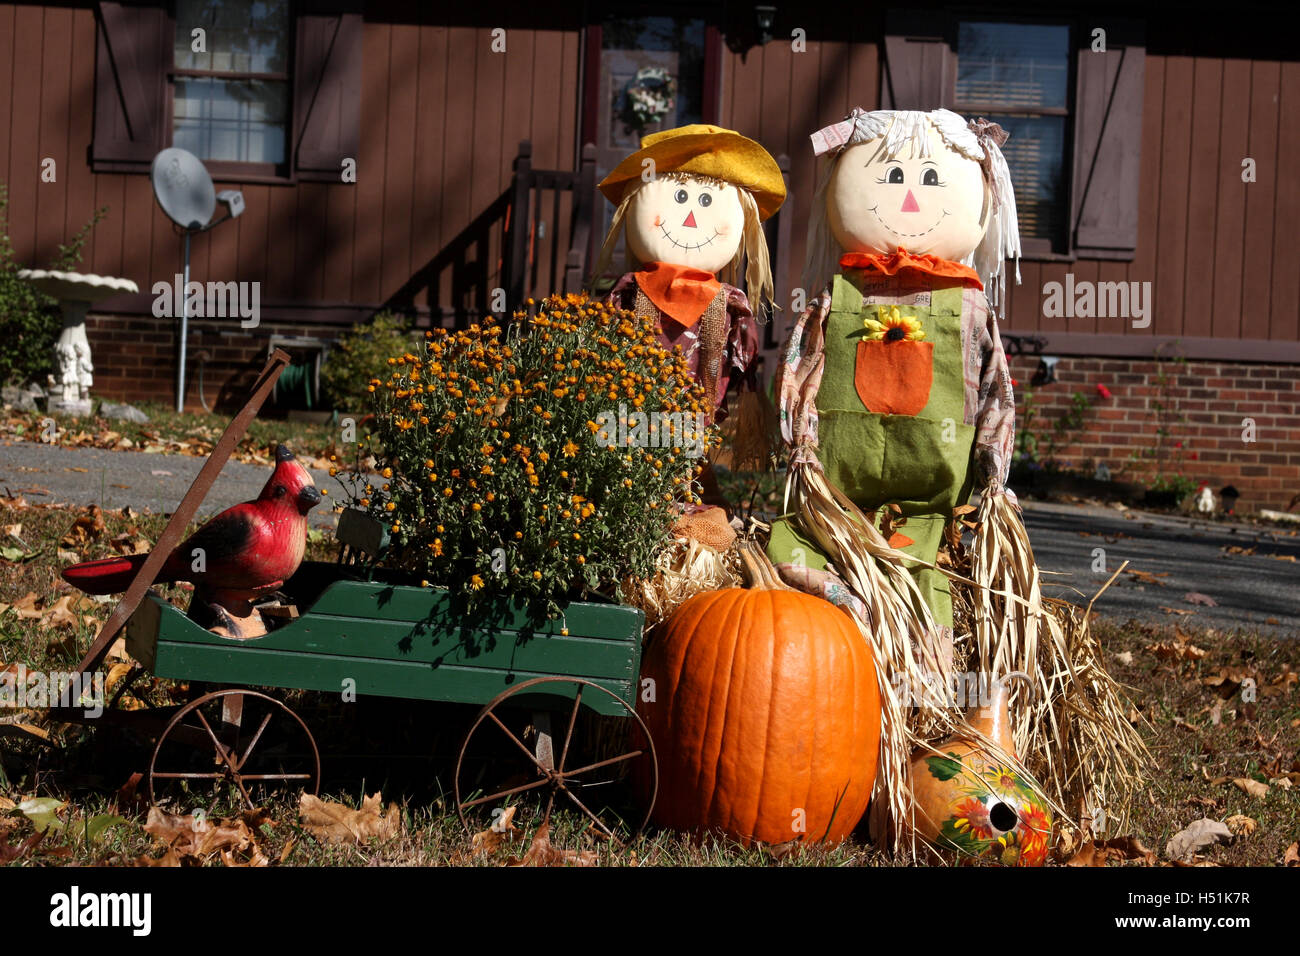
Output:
x=1176 y=650
x=502 y=830
x=1241 y=825
x=1292 y=855
x=1199 y=835
x=1252 y=787
x=196 y=836
x=542 y=853
x=337 y=823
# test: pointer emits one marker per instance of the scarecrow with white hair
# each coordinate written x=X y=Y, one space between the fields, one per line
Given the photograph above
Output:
x=894 y=383
x=895 y=404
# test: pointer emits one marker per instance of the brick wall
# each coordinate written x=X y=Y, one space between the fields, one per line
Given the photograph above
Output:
x=1212 y=398
x=135 y=357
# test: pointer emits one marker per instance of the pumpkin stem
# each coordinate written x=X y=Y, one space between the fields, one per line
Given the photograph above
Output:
x=757 y=569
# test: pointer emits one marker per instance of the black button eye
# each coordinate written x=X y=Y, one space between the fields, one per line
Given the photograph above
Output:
x=705 y=199
x=929 y=178
x=681 y=195
x=895 y=174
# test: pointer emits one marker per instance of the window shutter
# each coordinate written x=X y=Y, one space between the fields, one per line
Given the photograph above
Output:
x=1108 y=141
x=327 y=91
x=133 y=52
x=919 y=71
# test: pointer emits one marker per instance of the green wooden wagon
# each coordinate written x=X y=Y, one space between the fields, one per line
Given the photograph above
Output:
x=351 y=628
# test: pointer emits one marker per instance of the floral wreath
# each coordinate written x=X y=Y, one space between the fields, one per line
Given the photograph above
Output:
x=651 y=96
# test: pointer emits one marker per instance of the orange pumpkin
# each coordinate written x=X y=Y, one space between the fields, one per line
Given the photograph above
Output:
x=765 y=714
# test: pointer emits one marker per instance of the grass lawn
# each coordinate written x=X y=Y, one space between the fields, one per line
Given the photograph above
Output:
x=1217 y=755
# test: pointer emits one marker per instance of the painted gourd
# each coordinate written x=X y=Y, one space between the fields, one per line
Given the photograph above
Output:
x=969 y=801
x=765 y=714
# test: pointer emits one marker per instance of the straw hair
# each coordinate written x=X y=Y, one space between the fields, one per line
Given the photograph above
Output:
x=753 y=246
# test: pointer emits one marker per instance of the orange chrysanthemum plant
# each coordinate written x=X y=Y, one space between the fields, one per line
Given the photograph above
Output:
x=537 y=458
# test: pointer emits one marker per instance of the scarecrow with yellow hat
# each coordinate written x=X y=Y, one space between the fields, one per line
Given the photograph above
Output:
x=690 y=203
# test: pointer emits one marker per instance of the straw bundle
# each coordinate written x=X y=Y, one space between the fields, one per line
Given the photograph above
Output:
x=901 y=632
x=751 y=433
x=1068 y=718
x=683 y=569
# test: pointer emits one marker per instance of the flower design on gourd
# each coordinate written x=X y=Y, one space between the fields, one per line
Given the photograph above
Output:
x=893 y=326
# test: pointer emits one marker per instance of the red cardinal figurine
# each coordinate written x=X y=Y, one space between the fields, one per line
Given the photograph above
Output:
x=240 y=556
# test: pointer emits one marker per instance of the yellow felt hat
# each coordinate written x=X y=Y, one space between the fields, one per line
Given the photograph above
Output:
x=704 y=150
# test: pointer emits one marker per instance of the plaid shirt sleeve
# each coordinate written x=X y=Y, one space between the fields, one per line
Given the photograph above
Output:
x=994 y=405
x=798 y=377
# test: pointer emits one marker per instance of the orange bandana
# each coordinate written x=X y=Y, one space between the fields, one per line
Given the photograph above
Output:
x=895 y=263
x=679 y=291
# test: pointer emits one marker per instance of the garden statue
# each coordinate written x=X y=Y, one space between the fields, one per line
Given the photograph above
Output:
x=237 y=559
x=69 y=391
x=894 y=394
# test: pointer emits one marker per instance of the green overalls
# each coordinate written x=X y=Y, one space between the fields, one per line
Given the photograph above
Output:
x=891 y=418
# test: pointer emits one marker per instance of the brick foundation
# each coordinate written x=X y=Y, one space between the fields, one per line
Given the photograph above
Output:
x=135 y=357
x=135 y=360
x=1212 y=397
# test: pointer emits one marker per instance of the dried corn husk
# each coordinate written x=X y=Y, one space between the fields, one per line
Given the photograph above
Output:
x=1068 y=716
x=683 y=569
x=906 y=643
x=751 y=432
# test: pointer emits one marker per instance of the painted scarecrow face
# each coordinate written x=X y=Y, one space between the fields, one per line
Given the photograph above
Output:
x=686 y=222
x=932 y=206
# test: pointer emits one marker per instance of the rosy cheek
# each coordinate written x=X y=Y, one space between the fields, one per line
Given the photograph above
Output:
x=659 y=221
x=723 y=229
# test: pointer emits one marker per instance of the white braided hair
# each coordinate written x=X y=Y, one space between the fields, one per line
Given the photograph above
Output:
x=898 y=129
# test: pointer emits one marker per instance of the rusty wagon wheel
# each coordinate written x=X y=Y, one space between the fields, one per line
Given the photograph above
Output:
x=561 y=765
x=242 y=739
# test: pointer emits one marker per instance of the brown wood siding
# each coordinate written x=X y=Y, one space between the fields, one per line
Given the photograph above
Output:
x=442 y=116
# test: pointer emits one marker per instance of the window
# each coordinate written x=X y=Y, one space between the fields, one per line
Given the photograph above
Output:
x=1018 y=75
x=231 y=97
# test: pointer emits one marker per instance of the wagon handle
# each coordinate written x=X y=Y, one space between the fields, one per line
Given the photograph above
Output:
x=176 y=525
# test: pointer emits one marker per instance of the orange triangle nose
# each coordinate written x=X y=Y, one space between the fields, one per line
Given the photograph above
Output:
x=690 y=219
x=909 y=204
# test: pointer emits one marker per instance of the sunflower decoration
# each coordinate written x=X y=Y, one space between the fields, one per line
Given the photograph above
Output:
x=893 y=326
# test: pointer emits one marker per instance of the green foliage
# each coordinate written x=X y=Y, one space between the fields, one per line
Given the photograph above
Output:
x=1038 y=440
x=505 y=470
x=29 y=320
x=361 y=354
x=1165 y=460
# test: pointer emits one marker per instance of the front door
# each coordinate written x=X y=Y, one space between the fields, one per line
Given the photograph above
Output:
x=651 y=72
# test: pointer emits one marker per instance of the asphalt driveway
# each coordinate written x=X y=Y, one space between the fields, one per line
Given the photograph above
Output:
x=1252 y=574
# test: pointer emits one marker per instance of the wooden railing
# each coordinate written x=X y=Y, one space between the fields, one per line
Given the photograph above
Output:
x=536 y=238
x=526 y=243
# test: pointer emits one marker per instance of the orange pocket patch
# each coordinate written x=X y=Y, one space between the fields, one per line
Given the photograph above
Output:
x=894 y=378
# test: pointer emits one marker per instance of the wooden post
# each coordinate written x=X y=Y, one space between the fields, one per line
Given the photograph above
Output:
x=584 y=196
x=517 y=254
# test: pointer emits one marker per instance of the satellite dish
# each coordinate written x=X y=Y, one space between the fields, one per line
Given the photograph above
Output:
x=183 y=188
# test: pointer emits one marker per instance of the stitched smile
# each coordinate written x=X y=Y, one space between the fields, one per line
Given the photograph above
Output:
x=682 y=245
x=908 y=235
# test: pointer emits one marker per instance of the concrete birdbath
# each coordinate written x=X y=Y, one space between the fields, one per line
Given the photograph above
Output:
x=70 y=387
